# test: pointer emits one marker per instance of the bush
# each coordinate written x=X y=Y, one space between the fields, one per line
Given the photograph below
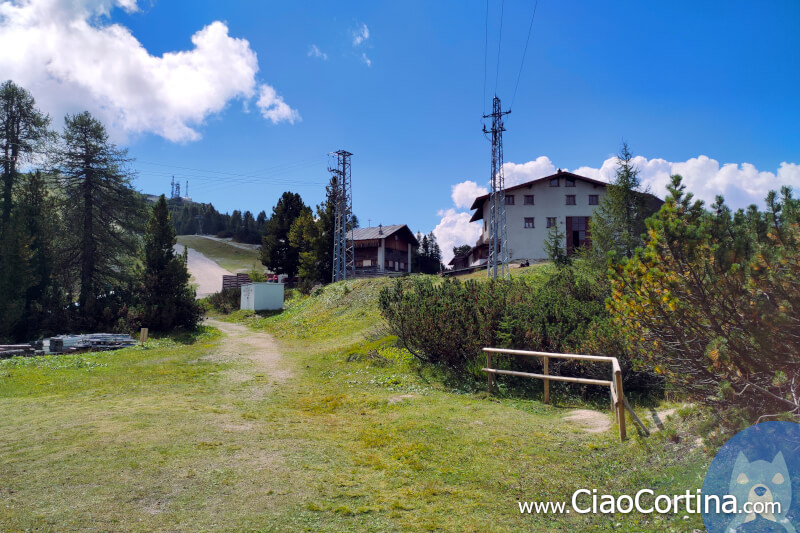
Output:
x=449 y=322
x=225 y=301
x=713 y=302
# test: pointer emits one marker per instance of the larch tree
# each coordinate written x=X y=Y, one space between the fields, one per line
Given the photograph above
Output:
x=23 y=129
x=102 y=209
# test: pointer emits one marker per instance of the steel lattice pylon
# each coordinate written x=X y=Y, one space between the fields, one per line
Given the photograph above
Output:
x=344 y=264
x=497 y=263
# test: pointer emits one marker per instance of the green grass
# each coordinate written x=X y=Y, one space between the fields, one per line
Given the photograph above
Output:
x=361 y=438
x=227 y=256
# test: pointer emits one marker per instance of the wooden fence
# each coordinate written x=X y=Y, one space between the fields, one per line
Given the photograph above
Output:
x=618 y=402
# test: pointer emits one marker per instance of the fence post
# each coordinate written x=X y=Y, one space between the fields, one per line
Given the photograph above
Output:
x=620 y=402
x=546 y=381
x=491 y=376
x=143 y=336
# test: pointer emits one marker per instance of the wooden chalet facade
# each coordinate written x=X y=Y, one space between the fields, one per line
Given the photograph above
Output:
x=383 y=249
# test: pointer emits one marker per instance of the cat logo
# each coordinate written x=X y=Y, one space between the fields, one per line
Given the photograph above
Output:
x=767 y=487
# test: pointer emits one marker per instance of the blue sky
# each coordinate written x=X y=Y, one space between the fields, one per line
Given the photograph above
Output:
x=401 y=85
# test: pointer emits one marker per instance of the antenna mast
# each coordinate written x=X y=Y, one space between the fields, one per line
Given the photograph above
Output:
x=344 y=264
x=497 y=263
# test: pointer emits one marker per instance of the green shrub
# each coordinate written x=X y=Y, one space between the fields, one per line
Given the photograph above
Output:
x=713 y=302
x=449 y=322
x=225 y=301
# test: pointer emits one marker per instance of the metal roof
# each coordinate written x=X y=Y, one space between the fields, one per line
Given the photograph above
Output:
x=379 y=232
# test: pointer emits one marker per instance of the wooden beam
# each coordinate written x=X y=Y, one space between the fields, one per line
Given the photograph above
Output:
x=550 y=354
x=553 y=378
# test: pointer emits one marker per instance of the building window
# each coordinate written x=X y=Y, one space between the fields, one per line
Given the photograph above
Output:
x=529 y=222
x=528 y=199
x=551 y=221
x=390 y=264
x=570 y=182
x=509 y=199
x=570 y=199
x=554 y=182
x=367 y=263
x=593 y=199
x=402 y=266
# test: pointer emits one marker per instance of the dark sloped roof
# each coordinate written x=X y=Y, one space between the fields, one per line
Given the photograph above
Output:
x=378 y=232
x=562 y=174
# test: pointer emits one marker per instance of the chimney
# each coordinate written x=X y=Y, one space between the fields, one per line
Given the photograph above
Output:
x=380 y=229
x=559 y=171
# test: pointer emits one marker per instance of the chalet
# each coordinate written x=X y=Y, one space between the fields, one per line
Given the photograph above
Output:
x=461 y=261
x=532 y=208
x=383 y=249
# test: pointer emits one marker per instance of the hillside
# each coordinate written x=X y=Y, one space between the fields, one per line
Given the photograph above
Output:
x=229 y=255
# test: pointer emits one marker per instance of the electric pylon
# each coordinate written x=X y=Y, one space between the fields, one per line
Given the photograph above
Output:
x=344 y=264
x=497 y=263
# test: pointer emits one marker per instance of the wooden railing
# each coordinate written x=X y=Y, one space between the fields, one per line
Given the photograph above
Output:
x=618 y=402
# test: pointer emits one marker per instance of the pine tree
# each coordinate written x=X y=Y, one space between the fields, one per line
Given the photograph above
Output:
x=167 y=299
x=40 y=219
x=277 y=253
x=554 y=246
x=22 y=129
x=104 y=213
x=618 y=222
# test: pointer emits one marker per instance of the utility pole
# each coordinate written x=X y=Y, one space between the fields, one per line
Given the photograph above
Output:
x=497 y=264
x=344 y=264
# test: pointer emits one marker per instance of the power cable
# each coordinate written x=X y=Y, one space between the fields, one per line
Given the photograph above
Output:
x=499 y=42
x=524 y=53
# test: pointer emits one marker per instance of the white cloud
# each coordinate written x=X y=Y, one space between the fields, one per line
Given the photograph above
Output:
x=454 y=229
x=741 y=184
x=464 y=193
x=314 y=51
x=71 y=60
x=367 y=61
x=520 y=173
x=274 y=108
x=360 y=35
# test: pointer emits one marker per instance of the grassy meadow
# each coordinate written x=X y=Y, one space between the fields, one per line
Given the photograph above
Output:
x=195 y=434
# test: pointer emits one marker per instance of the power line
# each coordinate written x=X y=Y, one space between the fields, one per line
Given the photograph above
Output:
x=485 y=53
x=524 y=53
x=499 y=42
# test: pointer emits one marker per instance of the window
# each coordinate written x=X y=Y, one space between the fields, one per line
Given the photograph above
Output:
x=529 y=222
x=551 y=221
x=390 y=264
x=509 y=199
x=554 y=182
x=570 y=182
x=593 y=199
x=367 y=263
x=528 y=199
x=570 y=199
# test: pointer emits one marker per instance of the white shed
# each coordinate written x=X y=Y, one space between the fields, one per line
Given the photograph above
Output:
x=262 y=296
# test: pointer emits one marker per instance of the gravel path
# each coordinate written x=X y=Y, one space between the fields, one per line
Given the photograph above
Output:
x=206 y=274
x=260 y=348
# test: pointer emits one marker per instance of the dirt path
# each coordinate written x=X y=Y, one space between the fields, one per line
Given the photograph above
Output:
x=205 y=272
x=260 y=348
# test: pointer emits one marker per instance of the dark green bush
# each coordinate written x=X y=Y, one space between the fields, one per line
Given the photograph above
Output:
x=225 y=301
x=449 y=322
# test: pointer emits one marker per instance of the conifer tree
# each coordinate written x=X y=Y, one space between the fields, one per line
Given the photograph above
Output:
x=618 y=222
x=167 y=299
x=105 y=215
x=277 y=253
